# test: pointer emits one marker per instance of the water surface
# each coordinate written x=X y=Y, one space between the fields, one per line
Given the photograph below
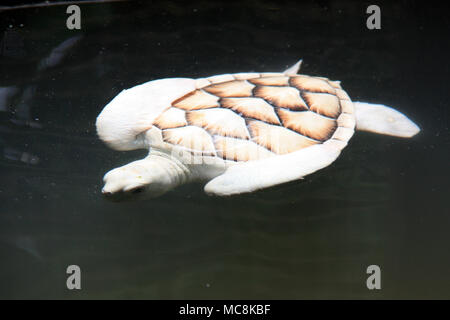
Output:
x=383 y=202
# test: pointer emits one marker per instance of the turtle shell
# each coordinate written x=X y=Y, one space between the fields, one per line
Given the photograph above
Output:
x=250 y=116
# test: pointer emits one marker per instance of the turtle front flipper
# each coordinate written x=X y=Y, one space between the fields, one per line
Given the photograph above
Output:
x=381 y=119
x=132 y=111
x=259 y=174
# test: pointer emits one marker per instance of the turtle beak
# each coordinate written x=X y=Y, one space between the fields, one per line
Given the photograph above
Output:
x=114 y=196
x=109 y=195
x=106 y=193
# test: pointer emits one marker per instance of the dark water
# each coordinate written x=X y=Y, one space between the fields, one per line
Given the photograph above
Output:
x=383 y=202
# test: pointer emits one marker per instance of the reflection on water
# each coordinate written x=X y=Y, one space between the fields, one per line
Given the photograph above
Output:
x=381 y=202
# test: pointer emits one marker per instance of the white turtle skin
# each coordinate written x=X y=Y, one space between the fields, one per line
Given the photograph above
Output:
x=127 y=123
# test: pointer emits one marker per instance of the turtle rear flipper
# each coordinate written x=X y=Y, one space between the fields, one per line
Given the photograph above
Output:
x=293 y=70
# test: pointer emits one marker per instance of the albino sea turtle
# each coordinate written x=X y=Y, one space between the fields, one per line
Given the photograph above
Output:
x=237 y=132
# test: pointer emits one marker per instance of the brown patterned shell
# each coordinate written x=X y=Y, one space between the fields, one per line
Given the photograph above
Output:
x=250 y=116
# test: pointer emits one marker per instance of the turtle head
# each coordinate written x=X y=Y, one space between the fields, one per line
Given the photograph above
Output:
x=141 y=179
x=123 y=120
x=125 y=182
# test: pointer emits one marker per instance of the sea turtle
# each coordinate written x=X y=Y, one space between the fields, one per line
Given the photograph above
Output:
x=238 y=132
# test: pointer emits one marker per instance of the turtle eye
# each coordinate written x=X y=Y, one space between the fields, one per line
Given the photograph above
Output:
x=137 y=190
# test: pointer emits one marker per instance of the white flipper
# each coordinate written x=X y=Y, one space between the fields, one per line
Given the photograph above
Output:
x=381 y=119
x=253 y=175
x=294 y=69
x=132 y=111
